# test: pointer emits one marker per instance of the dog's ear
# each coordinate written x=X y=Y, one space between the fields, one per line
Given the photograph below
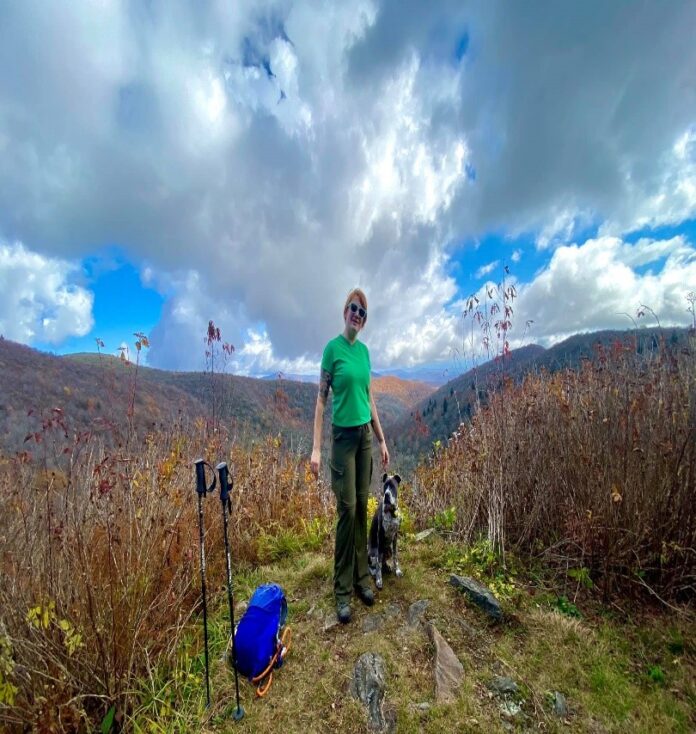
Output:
x=397 y=478
x=384 y=477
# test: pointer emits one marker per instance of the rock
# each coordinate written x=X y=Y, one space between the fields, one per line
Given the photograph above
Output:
x=503 y=686
x=510 y=709
x=449 y=672
x=479 y=594
x=424 y=534
x=372 y=623
x=425 y=706
x=392 y=611
x=330 y=621
x=368 y=687
x=416 y=612
x=560 y=705
x=240 y=608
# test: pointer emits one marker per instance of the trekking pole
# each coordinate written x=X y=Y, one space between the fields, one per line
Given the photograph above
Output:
x=226 y=483
x=202 y=490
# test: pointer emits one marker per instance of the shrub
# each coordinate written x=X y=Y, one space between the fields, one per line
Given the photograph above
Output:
x=593 y=469
x=99 y=559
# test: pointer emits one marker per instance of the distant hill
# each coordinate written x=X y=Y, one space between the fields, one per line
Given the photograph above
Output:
x=292 y=377
x=438 y=415
x=409 y=391
x=95 y=391
x=395 y=398
x=434 y=375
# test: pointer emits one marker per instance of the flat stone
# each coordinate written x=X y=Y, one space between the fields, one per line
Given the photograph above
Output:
x=392 y=611
x=560 y=705
x=416 y=612
x=368 y=686
x=372 y=623
x=501 y=685
x=449 y=672
x=424 y=534
x=479 y=594
x=330 y=621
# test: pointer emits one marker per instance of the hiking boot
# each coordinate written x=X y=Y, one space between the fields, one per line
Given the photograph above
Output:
x=343 y=612
x=366 y=595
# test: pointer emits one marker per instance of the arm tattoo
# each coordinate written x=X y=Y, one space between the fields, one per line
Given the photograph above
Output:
x=324 y=384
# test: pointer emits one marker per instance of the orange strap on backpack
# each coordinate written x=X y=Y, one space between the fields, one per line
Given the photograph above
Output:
x=280 y=653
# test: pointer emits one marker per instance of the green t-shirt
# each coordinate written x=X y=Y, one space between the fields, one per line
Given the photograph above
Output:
x=349 y=366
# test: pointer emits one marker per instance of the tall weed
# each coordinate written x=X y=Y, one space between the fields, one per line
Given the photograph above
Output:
x=592 y=469
x=99 y=560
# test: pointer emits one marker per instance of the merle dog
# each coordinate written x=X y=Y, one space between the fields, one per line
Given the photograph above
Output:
x=384 y=531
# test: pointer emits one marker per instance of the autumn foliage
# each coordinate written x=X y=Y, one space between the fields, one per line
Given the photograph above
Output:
x=593 y=469
x=99 y=559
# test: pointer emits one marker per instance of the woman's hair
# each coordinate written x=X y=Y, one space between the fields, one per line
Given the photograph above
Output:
x=356 y=293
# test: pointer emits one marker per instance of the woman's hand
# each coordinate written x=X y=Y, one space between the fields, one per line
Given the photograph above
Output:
x=385 y=453
x=314 y=462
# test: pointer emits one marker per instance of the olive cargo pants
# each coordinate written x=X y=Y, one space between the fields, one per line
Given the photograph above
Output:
x=351 y=472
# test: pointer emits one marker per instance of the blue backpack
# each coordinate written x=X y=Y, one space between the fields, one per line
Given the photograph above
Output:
x=259 y=639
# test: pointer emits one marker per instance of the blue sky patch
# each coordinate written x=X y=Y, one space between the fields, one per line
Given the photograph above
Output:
x=122 y=306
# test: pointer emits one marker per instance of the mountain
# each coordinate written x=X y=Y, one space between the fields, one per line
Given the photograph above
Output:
x=433 y=374
x=395 y=398
x=292 y=377
x=97 y=392
x=438 y=415
x=409 y=391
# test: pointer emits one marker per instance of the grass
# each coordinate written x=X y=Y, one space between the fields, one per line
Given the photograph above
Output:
x=617 y=675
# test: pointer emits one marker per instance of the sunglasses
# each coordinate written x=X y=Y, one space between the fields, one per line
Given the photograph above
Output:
x=359 y=310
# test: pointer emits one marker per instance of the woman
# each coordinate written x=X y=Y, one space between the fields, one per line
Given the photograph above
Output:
x=345 y=368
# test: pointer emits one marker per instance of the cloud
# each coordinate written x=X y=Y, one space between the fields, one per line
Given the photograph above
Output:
x=574 y=111
x=486 y=269
x=257 y=357
x=39 y=300
x=601 y=283
x=259 y=160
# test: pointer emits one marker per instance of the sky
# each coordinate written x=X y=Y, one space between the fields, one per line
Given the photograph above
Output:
x=164 y=164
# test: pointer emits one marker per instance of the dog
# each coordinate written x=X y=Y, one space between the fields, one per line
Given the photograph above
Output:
x=384 y=531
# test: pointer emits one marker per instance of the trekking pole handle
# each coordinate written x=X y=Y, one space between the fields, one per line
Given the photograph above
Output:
x=201 y=486
x=226 y=481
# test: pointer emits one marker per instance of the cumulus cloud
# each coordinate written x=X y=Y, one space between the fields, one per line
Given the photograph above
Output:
x=598 y=284
x=488 y=268
x=259 y=160
x=573 y=111
x=257 y=357
x=39 y=300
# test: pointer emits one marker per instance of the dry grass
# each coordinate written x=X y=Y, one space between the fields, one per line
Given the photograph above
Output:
x=541 y=649
x=594 y=469
x=99 y=561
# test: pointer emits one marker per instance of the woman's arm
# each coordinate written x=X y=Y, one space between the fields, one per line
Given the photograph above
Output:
x=379 y=433
x=324 y=385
